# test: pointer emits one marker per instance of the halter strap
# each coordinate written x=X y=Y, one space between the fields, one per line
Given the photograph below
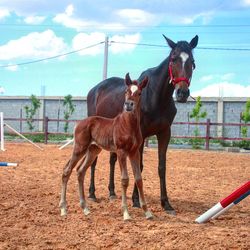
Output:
x=174 y=80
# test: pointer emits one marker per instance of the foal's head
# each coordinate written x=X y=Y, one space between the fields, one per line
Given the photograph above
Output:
x=181 y=66
x=133 y=92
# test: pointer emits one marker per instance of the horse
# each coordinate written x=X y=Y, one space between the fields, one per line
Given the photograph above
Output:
x=121 y=135
x=157 y=108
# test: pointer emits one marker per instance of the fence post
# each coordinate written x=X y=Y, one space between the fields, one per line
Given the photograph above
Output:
x=46 y=127
x=207 y=134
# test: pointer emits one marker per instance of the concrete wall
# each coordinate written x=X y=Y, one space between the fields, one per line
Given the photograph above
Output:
x=218 y=110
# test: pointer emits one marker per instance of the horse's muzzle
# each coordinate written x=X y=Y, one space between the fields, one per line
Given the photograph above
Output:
x=182 y=95
x=129 y=106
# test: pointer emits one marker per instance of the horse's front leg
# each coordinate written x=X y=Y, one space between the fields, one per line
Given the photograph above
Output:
x=135 y=195
x=163 y=141
x=135 y=163
x=112 y=161
x=124 y=183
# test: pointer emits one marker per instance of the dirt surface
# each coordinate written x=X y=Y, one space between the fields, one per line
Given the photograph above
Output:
x=29 y=197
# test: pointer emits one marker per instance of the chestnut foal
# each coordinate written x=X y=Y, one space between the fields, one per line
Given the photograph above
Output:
x=121 y=135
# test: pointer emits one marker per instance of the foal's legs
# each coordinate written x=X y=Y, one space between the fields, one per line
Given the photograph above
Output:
x=124 y=183
x=65 y=177
x=135 y=195
x=135 y=161
x=91 y=155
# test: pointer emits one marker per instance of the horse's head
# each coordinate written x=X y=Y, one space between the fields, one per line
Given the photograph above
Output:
x=181 y=66
x=133 y=92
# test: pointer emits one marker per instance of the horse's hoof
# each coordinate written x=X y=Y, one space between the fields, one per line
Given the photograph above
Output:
x=136 y=204
x=92 y=198
x=149 y=215
x=171 y=212
x=112 y=197
x=126 y=217
x=63 y=212
x=86 y=211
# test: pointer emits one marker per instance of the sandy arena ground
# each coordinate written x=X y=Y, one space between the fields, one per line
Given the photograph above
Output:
x=29 y=197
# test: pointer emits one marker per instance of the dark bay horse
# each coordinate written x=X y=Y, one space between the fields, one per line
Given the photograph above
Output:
x=157 y=107
x=121 y=135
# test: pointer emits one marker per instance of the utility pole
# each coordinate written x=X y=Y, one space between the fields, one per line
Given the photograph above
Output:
x=105 y=65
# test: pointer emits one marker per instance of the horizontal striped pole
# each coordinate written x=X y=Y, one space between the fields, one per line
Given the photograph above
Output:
x=238 y=195
x=8 y=164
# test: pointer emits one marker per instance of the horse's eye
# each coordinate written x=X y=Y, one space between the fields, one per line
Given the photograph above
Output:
x=174 y=59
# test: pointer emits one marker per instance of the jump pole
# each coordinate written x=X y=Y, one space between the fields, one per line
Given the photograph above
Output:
x=9 y=127
x=8 y=164
x=234 y=198
x=66 y=144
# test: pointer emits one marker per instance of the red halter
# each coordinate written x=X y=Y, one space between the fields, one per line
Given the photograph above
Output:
x=174 y=80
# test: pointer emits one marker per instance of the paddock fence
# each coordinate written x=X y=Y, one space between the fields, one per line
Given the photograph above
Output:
x=206 y=127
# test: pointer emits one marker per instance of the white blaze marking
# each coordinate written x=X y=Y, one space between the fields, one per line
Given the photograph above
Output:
x=184 y=56
x=133 y=89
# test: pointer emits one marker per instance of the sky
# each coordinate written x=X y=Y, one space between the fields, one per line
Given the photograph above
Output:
x=56 y=48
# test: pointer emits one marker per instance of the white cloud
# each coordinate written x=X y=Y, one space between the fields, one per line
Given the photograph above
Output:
x=136 y=16
x=224 y=89
x=122 y=18
x=227 y=77
x=122 y=45
x=2 y=90
x=245 y=3
x=34 y=45
x=34 y=19
x=83 y=40
x=4 y=13
x=205 y=18
x=206 y=78
x=12 y=67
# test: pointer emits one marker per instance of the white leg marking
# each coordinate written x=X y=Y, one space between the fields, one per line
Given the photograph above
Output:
x=148 y=215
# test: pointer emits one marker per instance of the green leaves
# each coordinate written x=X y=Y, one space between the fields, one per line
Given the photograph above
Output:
x=245 y=116
x=197 y=115
x=69 y=110
x=31 y=111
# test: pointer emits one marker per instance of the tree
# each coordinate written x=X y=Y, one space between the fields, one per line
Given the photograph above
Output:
x=69 y=110
x=245 y=116
x=197 y=115
x=31 y=111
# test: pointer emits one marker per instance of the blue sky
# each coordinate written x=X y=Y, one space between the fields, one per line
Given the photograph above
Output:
x=34 y=30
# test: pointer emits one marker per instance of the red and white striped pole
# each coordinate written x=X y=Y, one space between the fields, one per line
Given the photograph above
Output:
x=222 y=206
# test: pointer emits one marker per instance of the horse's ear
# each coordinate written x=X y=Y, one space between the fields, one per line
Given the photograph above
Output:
x=193 y=43
x=144 y=82
x=171 y=44
x=128 y=80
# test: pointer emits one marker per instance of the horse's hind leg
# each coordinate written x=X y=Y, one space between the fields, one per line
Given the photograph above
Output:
x=91 y=155
x=135 y=159
x=65 y=177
